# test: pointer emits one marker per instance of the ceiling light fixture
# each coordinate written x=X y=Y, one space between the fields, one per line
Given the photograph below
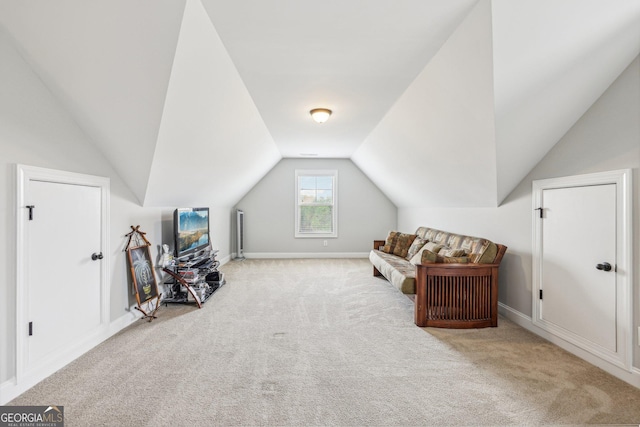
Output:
x=320 y=115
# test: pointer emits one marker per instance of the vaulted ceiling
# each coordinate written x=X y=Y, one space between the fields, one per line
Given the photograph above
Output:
x=474 y=92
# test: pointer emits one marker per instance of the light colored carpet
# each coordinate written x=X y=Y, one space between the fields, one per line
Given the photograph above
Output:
x=322 y=342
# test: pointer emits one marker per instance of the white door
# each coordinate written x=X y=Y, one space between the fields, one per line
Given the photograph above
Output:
x=61 y=290
x=582 y=274
x=64 y=281
x=579 y=235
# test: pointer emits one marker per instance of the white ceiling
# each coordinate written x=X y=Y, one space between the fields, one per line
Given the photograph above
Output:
x=552 y=60
x=108 y=63
x=149 y=80
x=354 y=57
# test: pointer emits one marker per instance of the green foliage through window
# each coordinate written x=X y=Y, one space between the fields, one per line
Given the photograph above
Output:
x=316 y=204
x=316 y=219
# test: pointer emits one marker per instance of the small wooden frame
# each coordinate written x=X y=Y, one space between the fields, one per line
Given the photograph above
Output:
x=143 y=277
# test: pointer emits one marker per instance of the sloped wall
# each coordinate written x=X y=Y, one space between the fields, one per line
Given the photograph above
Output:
x=108 y=64
x=35 y=130
x=606 y=137
x=212 y=140
x=436 y=146
x=552 y=61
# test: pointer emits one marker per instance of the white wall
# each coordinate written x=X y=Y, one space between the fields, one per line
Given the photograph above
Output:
x=436 y=145
x=36 y=131
x=364 y=212
x=108 y=63
x=606 y=138
x=552 y=60
x=212 y=137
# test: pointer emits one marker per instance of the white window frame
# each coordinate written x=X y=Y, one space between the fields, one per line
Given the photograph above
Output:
x=316 y=172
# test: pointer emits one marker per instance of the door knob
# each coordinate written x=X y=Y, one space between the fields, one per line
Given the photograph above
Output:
x=604 y=266
x=99 y=256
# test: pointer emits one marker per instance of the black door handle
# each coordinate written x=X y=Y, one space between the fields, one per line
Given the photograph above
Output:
x=96 y=256
x=604 y=266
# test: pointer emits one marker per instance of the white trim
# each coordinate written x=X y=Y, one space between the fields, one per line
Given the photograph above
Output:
x=324 y=255
x=512 y=314
x=317 y=172
x=10 y=389
x=226 y=259
x=28 y=379
x=623 y=355
x=25 y=378
x=124 y=321
x=631 y=376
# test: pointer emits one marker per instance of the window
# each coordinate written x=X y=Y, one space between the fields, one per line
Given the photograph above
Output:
x=316 y=203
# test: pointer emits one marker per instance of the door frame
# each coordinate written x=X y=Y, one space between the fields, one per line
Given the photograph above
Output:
x=622 y=357
x=27 y=377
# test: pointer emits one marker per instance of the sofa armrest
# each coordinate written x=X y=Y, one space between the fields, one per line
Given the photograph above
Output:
x=456 y=295
x=501 y=250
x=376 y=246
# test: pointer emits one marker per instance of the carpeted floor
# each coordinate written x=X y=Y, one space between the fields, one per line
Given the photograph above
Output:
x=322 y=342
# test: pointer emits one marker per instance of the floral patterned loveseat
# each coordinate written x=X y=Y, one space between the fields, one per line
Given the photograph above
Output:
x=454 y=277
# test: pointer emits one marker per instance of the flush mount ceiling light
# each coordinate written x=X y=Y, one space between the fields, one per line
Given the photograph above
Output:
x=320 y=115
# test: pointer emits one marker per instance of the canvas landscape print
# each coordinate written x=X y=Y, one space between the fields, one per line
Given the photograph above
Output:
x=194 y=229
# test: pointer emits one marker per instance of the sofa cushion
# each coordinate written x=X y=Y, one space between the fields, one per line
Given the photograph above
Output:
x=433 y=247
x=428 y=257
x=450 y=252
x=398 y=271
x=430 y=234
x=403 y=243
x=390 y=242
x=429 y=246
x=483 y=252
x=479 y=250
x=425 y=255
x=417 y=244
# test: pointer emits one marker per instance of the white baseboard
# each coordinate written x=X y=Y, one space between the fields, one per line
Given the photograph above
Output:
x=8 y=391
x=13 y=388
x=55 y=362
x=632 y=377
x=125 y=320
x=226 y=259
x=294 y=255
x=514 y=315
